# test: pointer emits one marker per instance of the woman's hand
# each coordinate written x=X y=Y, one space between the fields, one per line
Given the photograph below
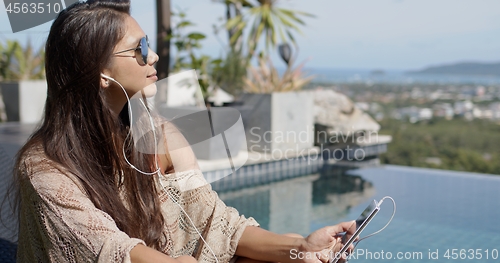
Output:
x=261 y=245
x=324 y=243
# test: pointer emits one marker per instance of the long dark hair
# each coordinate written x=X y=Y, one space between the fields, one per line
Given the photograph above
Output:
x=78 y=130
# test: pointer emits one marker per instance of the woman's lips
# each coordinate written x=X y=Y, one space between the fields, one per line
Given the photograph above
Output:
x=152 y=76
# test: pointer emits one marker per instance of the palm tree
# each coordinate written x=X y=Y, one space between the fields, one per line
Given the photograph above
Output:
x=6 y=57
x=30 y=63
x=18 y=63
x=267 y=19
x=163 y=29
x=234 y=8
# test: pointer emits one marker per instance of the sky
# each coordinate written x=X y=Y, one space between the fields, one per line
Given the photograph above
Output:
x=350 y=34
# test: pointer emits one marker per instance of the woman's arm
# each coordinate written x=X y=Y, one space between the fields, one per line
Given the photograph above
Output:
x=144 y=254
x=260 y=244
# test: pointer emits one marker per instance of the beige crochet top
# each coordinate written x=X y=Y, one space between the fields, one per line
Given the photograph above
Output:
x=59 y=223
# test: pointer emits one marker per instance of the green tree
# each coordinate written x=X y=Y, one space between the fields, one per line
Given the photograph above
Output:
x=459 y=144
x=228 y=72
x=21 y=63
x=187 y=44
x=7 y=52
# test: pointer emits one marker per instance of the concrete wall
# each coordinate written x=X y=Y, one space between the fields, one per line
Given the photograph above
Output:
x=25 y=100
x=292 y=122
x=282 y=121
x=256 y=114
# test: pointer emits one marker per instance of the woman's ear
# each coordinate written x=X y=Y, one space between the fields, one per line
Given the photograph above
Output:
x=105 y=81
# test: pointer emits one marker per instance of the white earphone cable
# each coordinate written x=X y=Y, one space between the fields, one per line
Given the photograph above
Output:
x=387 y=224
x=158 y=170
x=129 y=131
x=192 y=223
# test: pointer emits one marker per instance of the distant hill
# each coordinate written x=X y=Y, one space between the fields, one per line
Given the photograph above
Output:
x=465 y=68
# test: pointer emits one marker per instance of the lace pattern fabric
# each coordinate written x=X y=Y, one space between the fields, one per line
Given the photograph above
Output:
x=59 y=223
x=220 y=226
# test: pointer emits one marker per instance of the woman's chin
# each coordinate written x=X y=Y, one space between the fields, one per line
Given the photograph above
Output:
x=150 y=90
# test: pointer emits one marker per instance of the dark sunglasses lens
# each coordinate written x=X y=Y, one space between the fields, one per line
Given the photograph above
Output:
x=144 y=51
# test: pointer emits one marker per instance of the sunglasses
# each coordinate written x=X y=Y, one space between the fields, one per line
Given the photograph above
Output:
x=141 y=51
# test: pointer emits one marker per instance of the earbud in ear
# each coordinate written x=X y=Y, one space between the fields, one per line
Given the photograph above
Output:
x=114 y=80
x=107 y=78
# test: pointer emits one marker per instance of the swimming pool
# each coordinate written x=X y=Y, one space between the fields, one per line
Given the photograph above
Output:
x=442 y=216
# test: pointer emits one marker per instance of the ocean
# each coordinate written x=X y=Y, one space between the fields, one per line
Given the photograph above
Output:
x=396 y=77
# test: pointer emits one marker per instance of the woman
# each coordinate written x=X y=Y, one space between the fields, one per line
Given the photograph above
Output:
x=86 y=194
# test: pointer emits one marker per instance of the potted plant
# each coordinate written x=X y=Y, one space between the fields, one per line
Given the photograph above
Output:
x=278 y=115
x=22 y=83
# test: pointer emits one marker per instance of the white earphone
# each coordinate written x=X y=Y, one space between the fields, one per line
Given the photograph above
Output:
x=158 y=170
x=108 y=77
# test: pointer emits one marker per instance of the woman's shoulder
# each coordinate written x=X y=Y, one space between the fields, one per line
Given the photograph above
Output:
x=185 y=180
x=34 y=159
x=36 y=167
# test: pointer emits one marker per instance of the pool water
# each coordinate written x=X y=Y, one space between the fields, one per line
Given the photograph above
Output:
x=442 y=216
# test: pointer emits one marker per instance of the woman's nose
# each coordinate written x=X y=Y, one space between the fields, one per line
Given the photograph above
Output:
x=153 y=57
